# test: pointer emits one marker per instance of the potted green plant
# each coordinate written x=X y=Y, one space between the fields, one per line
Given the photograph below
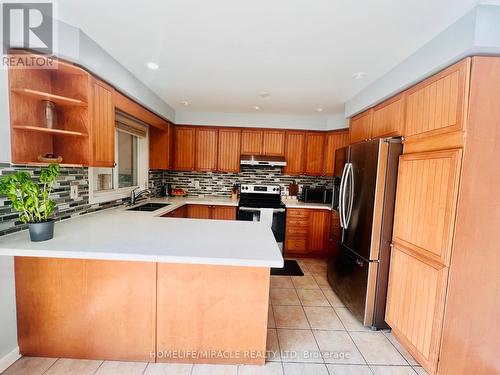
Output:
x=32 y=200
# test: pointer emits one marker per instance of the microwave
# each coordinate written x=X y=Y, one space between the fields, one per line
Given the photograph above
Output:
x=317 y=195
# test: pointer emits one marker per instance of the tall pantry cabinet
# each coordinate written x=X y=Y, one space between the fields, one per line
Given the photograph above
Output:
x=443 y=294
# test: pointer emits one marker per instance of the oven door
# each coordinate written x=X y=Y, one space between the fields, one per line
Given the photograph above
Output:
x=279 y=221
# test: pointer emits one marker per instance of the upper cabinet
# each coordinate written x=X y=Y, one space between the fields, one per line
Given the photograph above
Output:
x=295 y=148
x=228 y=158
x=206 y=149
x=184 y=148
x=388 y=118
x=251 y=142
x=315 y=152
x=161 y=147
x=273 y=142
x=360 y=127
x=333 y=141
x=102 y=122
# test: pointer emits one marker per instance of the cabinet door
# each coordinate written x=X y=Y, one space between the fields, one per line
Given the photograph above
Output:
x=251 y=142
x=315 y=146
x=206 y=149
x=388 y=118
x=426 y=199
x=295 y=145
x=333 y=141
x=103 y=126
x=273 y=142
x=184 y=148
x=224 y=213
x=438 y=104
x=360 y=127
x=319 y=231
x=180 y=212
x=415 y=305
x=199 y=211
x=229 y=150
x=159 y=148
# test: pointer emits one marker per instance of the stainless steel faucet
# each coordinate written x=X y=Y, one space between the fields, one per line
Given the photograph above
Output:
x=135 y=197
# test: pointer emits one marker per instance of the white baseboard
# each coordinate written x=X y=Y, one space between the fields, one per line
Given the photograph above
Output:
x=8 y=359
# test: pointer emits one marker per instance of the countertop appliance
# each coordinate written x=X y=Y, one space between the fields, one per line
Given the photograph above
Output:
x=316 y=195
x=359 y=270
x=257 y=201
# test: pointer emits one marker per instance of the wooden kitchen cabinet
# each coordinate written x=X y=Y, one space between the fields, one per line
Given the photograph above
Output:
x=307 y=232
x=214 y=212
x=251 y=142
x=360 y=127
x=180 y=212
x=273 y=142
x=184 y=146
x=102 y=124
x=319 y=231
x=315 y=153
x=333 y=141
x=160 y=147
x=206 y=149
x=228 y=158
x=295 y=147
x=224 y=213
x=388 y=118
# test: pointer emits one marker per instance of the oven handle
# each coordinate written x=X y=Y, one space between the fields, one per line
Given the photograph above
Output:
x=249 y=209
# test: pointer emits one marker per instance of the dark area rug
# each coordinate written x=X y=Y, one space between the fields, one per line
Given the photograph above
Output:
x=291 y=268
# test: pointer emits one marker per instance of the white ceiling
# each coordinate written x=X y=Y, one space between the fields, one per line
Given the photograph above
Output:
x=220 y=54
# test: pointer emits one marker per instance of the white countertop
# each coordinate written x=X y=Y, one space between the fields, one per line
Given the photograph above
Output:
x=118 y=234
x=289 y=203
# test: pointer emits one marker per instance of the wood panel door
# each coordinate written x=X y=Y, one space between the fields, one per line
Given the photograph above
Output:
x=415 y=305
x=206 y=149
x=295 y=146
x=273 y=142
x=180 y=212
x=360 y=127
x=439 y=104
x=102 y=125
x=388 y=118
x=199 y=211
x=160 y=148
x=315 y=153
x=319 y=231
x=333 y=141
x=251 y=142
x=224 y=213
x=184 y=144
x=229 y=150
x=426 y=199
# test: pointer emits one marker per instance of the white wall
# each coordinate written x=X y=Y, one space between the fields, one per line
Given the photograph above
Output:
x=9 y=351
x=4 y=118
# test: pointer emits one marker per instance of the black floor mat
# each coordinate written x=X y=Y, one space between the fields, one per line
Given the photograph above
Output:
x=291 y=268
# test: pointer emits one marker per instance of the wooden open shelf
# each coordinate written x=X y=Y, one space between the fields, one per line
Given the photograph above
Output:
x=58 y=99
x=40 y=129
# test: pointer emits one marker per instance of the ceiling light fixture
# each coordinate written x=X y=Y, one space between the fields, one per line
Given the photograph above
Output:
x=359 y=75
x=264 y=94
x=319 y=109
x=256 y=107
x=152 y=65
x=185 y=103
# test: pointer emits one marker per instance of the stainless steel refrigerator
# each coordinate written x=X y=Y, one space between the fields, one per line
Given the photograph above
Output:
x=366 y=175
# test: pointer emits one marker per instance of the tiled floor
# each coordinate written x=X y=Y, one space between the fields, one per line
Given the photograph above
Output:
x=310 y=332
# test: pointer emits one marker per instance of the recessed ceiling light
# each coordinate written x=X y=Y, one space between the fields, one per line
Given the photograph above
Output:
x=264 y=94
x=319 y=109
x=256 y=107
x=185 y=103
x=152 y=65
x=359 y=75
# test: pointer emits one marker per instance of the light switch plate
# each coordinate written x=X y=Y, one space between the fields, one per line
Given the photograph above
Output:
x=73 y=193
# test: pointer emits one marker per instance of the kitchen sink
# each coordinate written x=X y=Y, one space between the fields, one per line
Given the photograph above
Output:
x=149 y=207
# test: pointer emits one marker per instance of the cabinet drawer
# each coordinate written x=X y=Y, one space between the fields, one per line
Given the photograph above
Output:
x=294 y=213
x=296 y=244
x=297 y=231
x=297 y=222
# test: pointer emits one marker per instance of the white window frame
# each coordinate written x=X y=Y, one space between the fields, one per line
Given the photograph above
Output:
x=121 y=193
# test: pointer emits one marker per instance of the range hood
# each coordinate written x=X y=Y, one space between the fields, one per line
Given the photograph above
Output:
x=261 y=160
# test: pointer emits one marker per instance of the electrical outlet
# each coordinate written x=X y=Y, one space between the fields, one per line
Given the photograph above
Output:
x=73 y=193
x=196 y=184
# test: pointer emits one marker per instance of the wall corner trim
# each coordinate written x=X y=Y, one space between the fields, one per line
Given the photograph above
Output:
x=7 y=360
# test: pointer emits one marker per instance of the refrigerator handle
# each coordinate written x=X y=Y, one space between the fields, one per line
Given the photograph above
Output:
x=350 y=174
x=341 y=196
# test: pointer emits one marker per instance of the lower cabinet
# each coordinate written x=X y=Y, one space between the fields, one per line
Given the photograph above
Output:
x=202 y=211
x=307 y=231
x=180 y=212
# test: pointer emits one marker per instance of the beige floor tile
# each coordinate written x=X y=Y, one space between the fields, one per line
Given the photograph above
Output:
x=323 y=318
x=317 y=269
x=281 y=296
x=270 y=368
x=304 y=282
x=400 y=349
x=314 y=261
x=30 y=366
x=290 y=317
x=349 y=369
x=321 y=280
x=270 y=318
x=272 y=346
x=312 y=297
x=215 y=370
x=305 y=369
x=420 y=371
x=350 y=322
x=65 y=366
x=392 y=370
x=338 y=347
x=168 y=369
x=332 y=298
x=298 y=345
x=377 y=349
x=281 y=282
x=303 y=266
x=121 y=368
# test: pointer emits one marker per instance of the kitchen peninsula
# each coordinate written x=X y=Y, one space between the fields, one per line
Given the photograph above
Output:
x=127 y=285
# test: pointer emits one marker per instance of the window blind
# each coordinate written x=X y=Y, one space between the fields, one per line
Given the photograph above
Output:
x=130 y=124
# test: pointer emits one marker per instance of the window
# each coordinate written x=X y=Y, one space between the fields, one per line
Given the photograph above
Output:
x=131 y=156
